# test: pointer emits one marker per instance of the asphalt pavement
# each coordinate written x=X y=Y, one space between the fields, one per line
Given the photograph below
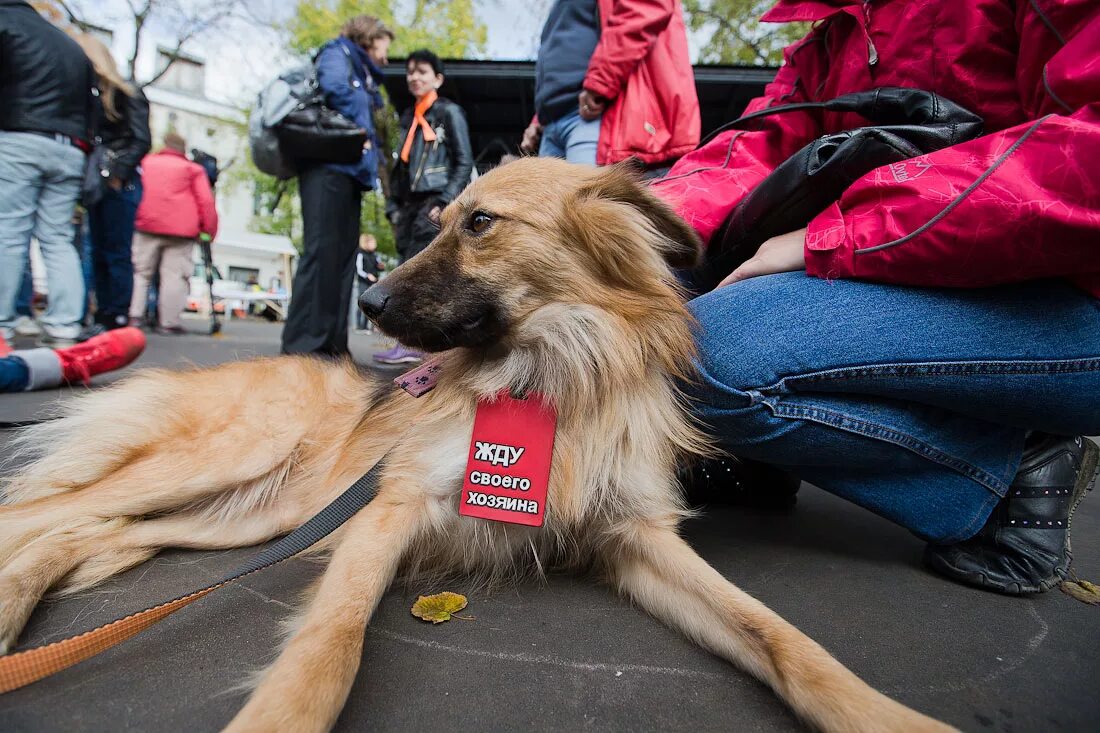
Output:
x=568 y=654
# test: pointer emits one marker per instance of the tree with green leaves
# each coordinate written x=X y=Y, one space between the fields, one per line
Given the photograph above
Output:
x=448 y=27
x=736 y=35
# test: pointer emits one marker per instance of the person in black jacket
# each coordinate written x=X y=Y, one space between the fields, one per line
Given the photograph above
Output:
x=46 y=88
x=433 y=167
x=123 y=132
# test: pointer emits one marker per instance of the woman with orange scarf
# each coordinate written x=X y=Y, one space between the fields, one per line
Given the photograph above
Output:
x=434 y=165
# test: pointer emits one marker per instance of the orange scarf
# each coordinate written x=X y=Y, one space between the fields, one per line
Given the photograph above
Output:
x=422 y=105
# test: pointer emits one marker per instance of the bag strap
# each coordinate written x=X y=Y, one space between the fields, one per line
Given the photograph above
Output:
x=22 y=668
x=882 y=106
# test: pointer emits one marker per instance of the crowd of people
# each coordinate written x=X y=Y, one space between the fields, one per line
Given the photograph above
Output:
x=77 y=177
x=927 y=347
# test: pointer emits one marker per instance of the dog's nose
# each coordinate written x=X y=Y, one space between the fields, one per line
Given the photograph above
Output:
x=373 y=301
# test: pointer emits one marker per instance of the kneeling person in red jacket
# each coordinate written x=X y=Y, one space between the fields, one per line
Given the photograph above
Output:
x=178 y=207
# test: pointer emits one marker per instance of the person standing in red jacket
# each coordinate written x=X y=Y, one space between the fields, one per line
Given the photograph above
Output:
x=614 y=81
x=929 y=346
x=177 y=208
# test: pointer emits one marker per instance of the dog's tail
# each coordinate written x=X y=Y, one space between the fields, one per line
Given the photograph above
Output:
x=87 y=438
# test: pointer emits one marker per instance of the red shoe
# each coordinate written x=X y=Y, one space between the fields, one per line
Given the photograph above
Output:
x=103 y=353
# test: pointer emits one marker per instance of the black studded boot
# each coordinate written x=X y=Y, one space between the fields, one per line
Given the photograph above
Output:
x=1024 y=547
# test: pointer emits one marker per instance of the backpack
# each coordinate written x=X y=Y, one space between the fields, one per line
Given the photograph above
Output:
x=290 y=123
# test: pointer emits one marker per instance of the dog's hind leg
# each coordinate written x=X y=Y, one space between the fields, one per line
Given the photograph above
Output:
x=167 y=480
x=85 y=556
x=37 y=567
x=657 y=569
x=306 y=687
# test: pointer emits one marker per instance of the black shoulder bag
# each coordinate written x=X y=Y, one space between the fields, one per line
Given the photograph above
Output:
x=315 y=132
x=906 y=123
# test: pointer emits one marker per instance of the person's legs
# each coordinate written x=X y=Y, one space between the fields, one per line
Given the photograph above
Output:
x=21 y=177
x=26 y=294
x=54 y=231
x=112 y=227
x=582 y=137
x=552 y=143
x=144 y=255
x=43 y=368
x=175 y=280
x=911 y=402
x=14 y=374
x=317 y=318
x=571 y=138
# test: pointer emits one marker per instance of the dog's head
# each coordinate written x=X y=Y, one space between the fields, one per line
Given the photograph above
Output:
x=530 y=245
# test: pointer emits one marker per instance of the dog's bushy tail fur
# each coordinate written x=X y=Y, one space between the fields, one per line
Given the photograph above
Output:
x=86 y=438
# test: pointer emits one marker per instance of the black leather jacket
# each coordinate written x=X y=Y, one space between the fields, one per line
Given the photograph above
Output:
x=127 y=139
x=441 y=167
x=45 y=79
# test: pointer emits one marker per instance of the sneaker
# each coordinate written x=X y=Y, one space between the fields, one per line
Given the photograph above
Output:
x=91 y=331
x=171 y=330
x=58 y=342
x=4 y=348
x=740 y=482
x=399 y=355
x=103 y=353
x=111 y=321
x=1024 y=547
x=388 y=353
x=26 y=326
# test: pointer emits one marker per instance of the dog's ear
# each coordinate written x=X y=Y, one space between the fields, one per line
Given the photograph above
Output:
x=622 y=183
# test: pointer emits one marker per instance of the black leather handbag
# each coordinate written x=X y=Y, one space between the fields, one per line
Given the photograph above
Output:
x=313 y=131
x=906 y=123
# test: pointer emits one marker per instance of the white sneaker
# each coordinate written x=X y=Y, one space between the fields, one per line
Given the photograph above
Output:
x=27 y=326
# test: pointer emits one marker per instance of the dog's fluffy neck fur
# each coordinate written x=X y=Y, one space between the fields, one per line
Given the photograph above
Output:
x=604 y=379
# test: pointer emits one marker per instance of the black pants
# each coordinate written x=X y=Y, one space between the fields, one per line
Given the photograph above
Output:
x=317 y=322
x=414 y=230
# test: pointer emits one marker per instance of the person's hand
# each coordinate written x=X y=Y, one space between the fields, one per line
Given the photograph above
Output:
x=115 y=183
x=372 y=278
x=434 y=213
x=785 y=253
x=531 y=138
x=590 y=105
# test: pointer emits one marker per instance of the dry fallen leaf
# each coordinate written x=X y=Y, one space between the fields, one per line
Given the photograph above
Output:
x=438 y=608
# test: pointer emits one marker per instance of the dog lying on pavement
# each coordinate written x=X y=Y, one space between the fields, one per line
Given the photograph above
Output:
x=546 y=279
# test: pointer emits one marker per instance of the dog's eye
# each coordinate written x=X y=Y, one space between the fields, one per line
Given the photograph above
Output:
x=478 y=222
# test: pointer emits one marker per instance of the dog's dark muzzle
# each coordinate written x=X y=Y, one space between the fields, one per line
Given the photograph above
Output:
x=373 y=301
x=433 y=316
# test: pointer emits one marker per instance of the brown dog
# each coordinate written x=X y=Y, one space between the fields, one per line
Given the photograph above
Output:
x=545 y=277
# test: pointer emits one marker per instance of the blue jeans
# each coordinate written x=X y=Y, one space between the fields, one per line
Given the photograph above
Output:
x=39 y=186
x=14 y=374
x=26 y=294
x=111 y=233
x=912 y=402
x=571 y=138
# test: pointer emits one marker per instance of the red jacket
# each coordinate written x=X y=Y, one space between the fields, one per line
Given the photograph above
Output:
x=177 y=200
x=1019 y=203
x=642 y=64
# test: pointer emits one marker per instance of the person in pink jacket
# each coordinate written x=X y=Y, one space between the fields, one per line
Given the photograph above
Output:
x=929 y=346
x=177 y=208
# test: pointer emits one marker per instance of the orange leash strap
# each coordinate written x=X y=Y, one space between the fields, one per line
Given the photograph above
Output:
x=22 y=668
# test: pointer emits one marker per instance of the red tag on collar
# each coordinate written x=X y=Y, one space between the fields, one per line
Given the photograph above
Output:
x=509 y=465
